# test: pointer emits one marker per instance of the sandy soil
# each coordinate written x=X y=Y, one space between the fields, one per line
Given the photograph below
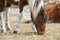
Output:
x=27 y=33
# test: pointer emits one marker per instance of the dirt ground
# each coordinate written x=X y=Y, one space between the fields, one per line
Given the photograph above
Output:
x=27 y=33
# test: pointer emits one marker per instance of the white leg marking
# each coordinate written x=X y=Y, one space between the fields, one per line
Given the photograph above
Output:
x=18 y=24
x=7 y=20
x=2 y=21
x=34 y=28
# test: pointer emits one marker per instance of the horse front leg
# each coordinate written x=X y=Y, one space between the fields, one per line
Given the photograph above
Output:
x=2 y=23
x=18 y=23
x=34 y=28
x=19 y=16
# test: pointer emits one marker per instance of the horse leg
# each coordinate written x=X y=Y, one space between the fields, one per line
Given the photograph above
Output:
x=20 y=16
x=3 y=24
x=33 y=27
x=18 y=24
x=7 y=19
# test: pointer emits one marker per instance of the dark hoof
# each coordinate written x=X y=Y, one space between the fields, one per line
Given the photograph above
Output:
x=8 y=29
x=2 y=31
x=15 y=32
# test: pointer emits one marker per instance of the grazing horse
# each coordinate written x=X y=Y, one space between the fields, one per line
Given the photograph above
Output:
x=38 y=15
x=4 y=6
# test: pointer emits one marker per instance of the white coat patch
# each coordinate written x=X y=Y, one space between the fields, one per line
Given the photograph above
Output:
x=35 y=10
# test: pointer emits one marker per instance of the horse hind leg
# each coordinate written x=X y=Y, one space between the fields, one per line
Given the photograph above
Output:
x=2 y=23
x=7 y=19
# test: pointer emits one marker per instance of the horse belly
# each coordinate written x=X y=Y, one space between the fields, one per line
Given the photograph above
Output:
x=2 y=5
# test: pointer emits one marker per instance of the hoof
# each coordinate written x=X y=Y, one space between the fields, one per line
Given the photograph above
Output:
x=3 y=31
x=9 y=29
x=15 y=32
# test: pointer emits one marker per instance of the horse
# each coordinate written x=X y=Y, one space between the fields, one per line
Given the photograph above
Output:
x=4 y=6
x=38 y=15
